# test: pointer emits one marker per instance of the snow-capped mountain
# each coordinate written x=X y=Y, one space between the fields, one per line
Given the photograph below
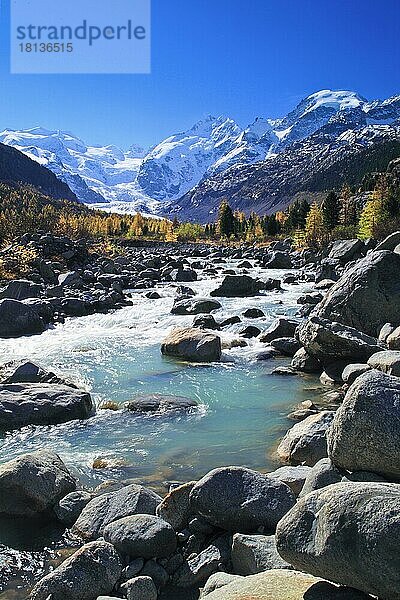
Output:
x=96 y=174
x=178 y=163
x=314 y=112
x=210 y=154
x=342 y=151
x=253 y=144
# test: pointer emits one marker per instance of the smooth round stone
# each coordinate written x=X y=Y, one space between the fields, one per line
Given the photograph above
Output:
x=241 y=500
x=144 y=536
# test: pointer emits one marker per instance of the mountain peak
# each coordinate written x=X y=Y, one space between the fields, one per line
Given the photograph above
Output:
x=204 y=127
x=336 y=99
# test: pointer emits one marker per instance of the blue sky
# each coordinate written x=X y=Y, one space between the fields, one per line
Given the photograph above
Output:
x=239 y=58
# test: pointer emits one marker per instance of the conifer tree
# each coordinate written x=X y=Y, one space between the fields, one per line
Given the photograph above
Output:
x=226 y=220
x=304 y=209
x=331 y=210
x=272 y=226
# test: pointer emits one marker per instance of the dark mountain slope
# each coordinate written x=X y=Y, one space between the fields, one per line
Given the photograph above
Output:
x=16 y=167
x=323 y=161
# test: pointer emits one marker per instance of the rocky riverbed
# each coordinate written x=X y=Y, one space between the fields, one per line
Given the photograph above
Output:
x=198 y=359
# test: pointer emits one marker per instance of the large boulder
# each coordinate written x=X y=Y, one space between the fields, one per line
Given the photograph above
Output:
x=347 y=533
x=365 y=433
x=192 y=345
x=234 y=286
x=33 y=483
x=93 y=570
x=141 y=536
x=329 y=341
x=17 y=318
x=21 y=290
x=279 y=260
x=24 y=404
x=111 y=506
x=305 y=442
x=282 y=584
x=194 y=306
x=346 y=250
x=367 y=295
x=253 y=554
x=44 y=308
x=241 y=500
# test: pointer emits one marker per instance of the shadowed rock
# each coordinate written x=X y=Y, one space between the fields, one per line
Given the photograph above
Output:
x=253 y=554
x=328 y=341
x=24 y=404
x=33 y=483
x=17 y=318
x=160 y=403
x=93 y=570
x=194 y=306
x=235 y=286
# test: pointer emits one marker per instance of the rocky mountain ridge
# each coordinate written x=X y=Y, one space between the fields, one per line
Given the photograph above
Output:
x=189 y=172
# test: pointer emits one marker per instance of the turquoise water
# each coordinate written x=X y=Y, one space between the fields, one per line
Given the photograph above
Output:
x=242 y=407
x=240 y=417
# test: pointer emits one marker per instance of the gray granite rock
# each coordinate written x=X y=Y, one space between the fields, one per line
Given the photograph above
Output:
x=241 y=500
x=141 y=536
x=347 y=533
x=110 y=506
x=33 y=483
x=93 y=570
x=253 y=554
x=365 y=433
